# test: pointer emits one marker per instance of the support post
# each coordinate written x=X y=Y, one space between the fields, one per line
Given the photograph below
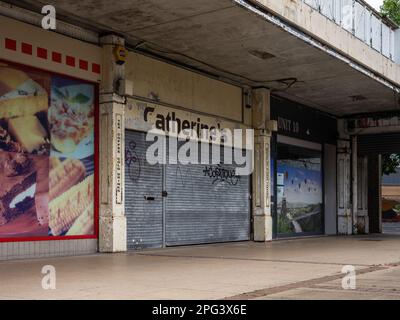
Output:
x=112 y=228
x=262 y=218
x=345 y=225
x=354 y=181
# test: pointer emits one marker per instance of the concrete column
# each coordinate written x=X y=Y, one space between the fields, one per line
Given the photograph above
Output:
x=112 y=137
x=359 y=190
x=262 y=218
x=345 y=219
x=397 y=46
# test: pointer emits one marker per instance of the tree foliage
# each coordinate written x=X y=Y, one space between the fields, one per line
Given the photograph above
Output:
x=390 y=163
x=391 y=9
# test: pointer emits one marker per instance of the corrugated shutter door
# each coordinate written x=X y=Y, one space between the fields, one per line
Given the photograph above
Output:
x=379 y=144
x=201 y=208
x=143 y=195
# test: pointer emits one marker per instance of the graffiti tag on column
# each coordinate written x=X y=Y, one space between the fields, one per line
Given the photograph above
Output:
x=221 y=175
x=132 y=162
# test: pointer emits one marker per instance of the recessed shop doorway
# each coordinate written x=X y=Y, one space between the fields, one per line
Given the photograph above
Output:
x=383 y=190
x=390 y=196
x=182 y=204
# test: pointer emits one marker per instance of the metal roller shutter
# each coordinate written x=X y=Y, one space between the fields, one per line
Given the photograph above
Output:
x=203 y=207
x=379 y=144
x=143 y=195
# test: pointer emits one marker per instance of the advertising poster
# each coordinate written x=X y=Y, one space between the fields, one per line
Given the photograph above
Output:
x=46 y=154
x=299 y=196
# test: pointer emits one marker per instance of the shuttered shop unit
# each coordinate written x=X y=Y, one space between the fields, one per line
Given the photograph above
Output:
x=379 y=144
x=206 y=203
x=202 y=203
x=143 y=195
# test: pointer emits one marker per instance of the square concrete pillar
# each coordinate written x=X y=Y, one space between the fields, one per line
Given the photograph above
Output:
x=344 y=198
x=262 y=218
x=112 y=228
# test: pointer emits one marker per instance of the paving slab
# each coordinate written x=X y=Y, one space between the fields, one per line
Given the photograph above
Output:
x=217 y=271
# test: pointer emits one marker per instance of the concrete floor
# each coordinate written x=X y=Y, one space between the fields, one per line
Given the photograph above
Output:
x=295 y=269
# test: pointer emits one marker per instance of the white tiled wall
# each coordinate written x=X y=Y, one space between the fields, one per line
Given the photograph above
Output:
x=43 y=249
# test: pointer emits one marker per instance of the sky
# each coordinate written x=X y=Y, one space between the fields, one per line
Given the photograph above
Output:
x=375 y=3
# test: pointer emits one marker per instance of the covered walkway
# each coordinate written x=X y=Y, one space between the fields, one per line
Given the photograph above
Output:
x=308 y=268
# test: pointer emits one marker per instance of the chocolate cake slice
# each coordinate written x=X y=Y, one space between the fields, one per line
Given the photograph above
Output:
x=17 y=177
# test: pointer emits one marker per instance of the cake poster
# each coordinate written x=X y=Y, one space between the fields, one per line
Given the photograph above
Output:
x=46 y=154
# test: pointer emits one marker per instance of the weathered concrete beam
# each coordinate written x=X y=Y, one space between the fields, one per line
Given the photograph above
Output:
x=322 y=29
x=345 y=219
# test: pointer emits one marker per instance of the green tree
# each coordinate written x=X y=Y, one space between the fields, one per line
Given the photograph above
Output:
x=391 y=9
x=390 y=162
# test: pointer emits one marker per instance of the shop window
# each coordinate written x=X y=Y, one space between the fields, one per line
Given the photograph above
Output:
x=47 y=155
x=299 y=208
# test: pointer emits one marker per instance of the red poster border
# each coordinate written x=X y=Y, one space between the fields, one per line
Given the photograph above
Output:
x=96 y=161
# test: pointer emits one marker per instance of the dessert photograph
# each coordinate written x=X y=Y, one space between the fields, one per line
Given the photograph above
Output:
x=46 y=154
x=23 y=195
x=71 y=118
x=23 y=111
x=71 y=195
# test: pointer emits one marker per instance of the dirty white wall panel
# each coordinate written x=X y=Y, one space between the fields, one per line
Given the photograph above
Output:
x=392 y=45
x=337 y=11
x=386 y=41
x=347 y=15
x=360 y=14
x=396 y=48
x=166 y=83
x=368 y=33
x=45 y=249
x=376 y=27
x=328 y=9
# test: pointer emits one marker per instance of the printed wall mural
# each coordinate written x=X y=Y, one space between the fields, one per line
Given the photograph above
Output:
x=47 y=153
x=299 y=196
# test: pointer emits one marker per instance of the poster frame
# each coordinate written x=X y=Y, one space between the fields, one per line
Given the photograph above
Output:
x=276 y=234
x=95 y=235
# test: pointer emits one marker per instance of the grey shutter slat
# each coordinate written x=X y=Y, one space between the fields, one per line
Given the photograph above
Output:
x=379 y=144
x=144 y=217
x=202 y=210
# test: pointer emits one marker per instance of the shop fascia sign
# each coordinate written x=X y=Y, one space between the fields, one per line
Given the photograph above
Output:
x=303 y=122
x=288 y=125
x=371 y=122
x=146 y=116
